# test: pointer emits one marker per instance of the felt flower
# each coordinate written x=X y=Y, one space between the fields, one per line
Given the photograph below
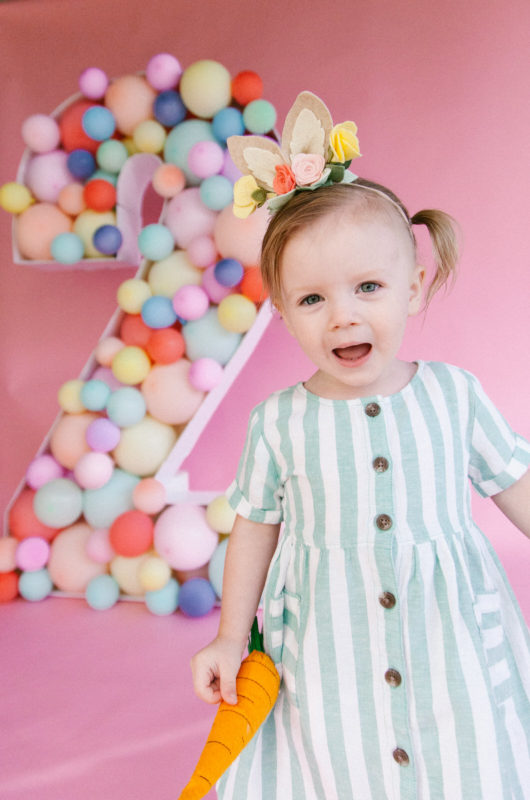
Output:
x=244 y=202
x=284 y=180
x=307 y=168
x=344 y=142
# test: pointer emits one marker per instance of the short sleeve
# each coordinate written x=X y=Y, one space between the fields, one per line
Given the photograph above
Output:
x=498 y=455
x=257 y=491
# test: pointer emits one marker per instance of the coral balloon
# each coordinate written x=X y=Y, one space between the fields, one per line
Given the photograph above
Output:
x=169 y=395
x=68 y=440
x=23 y=522
x=69 y=566
x=131 y=534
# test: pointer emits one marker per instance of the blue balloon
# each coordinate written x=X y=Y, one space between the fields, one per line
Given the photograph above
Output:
x=229 y=272
x=81 y=163
x=95 y=394
x=181 y=139
x=206 y=338
x=107 y=239
x=216 y=567
x=169 y=108
x=102 y=506
x=217 y=192
x=126 y=406
x=228 y=122
x=98 y=123
x=196 y=597
x=158 y=312
x=67 y=248
x=165 y=600
x=156 y=242
x=35 y=585
x=102 y=592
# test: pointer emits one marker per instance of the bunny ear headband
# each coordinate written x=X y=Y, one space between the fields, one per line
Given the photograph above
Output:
x=314 y=153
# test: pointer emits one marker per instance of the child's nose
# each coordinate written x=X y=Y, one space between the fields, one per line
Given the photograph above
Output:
x=343 y=313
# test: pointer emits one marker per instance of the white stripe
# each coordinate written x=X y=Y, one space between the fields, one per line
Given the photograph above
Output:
x=330 y=476
x=518 y=741
x=297 y=437
x=399 y=484
x=283 y=772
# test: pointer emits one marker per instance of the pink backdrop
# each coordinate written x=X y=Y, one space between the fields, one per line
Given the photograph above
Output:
x=440 y=94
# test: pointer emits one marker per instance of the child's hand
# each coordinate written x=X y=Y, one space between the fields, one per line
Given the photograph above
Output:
x=214 y=670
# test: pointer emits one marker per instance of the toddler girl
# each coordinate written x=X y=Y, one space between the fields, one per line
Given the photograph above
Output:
x=404 y=657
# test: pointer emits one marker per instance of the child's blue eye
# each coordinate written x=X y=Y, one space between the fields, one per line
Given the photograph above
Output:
x=310 y=300
x=368 y=287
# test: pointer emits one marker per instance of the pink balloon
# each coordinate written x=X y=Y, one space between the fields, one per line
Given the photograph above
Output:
x=47 y=174
x=187 y=217
x=32 y=553
x=183 y=538
x=43 y=469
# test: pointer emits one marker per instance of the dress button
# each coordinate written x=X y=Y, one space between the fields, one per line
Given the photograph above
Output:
x=401 y=756
x=387 y=600
x=383 y=522
x=372 y=409
x=393 y=677
x=380 y=464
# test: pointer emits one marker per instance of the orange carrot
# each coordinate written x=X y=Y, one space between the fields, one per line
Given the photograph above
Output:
x=257 y=686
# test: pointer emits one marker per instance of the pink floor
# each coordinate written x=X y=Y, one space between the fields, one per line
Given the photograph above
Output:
x=98 y=705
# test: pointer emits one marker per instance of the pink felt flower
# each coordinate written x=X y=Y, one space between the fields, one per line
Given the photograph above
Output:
x=307 y=168
x=284 y=180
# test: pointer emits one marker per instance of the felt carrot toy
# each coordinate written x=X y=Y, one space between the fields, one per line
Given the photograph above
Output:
x=257 y=686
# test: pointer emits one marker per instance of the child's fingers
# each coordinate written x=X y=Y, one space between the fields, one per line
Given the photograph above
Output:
x=228 y=690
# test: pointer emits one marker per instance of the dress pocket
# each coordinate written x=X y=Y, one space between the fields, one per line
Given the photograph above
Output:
x=291 y=632
x=487 y=609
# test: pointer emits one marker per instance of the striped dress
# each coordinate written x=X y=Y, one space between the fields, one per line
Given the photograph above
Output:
x=404 y=657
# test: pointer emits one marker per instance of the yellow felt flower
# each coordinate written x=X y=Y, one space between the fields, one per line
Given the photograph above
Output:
x=344 y=142
x=244 y=203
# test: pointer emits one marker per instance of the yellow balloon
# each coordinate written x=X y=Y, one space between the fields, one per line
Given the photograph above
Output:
x=169 y=274
x=15 y=197
x=131 y=365
x=236 y=313
x=69 y=397
x=132 y=294
x=149 y=136
x=87 y=224
x=154 y=573
x=220 y=515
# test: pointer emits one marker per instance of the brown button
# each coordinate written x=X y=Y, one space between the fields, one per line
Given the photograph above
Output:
x=380 y=464
x=392 y=677
x=383 y=522
x=372 y=409
x=401 y=756
x=387 y=600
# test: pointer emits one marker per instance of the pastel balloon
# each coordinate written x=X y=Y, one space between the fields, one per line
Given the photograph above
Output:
x=241 y=238
x=42 y=469
x=93 y=470
x=47 y=174
x=205 y=87
x=105 y=374
x=216 y=567
x=163 y=71
x=102 y=592
x=58 y=503
x=237 y=313
x=156 y=241
x=102 y=436
x=125 y=571
x=131 y=533
x=196 y=597
x=98 y=547
x=37 y=227
x=32 y=553
x=169 y=108
x=259 y=116
x=102 y=506
x=149 y=496
x=111 y=155
x=131 y=365
x=144 y=447
x=8 y=586
x=86 y=225
x=107 y=239
x=215 y=290
x=183 y=537
x=98 y=123
x=187 y=217
x=158 y=312
x=169 y=274
x=8 y=549
x=94 y=395
x=41 y=133
x=229 y=272
x=99 y=195
x=228 y=122
x=168 y=394
x=149 y=136
x=130 y=98
x=217 y=192
x=205 y=159
x=67 y=248
x=69 y=566
x=168 y=180
x=180 y=141
x=93 y=83
x=220 y=514
x=205 y=374
x=72 y=134
x=126 y=406
x=154 y=573
x=71 y=200
x=22 y=521
x=207 y=338
x=132 y=294
x=106 y=349
x=163 y=601
x=15 y=197
x=81 y=163
x=35 y=586
x=202 y=251
x=68 y=439
x=69 y=396
x=133 y=330
x=166 y=346
x=190 y=302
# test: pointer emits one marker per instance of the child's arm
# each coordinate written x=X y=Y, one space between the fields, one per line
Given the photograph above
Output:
x=249 y=553
x=514 y=502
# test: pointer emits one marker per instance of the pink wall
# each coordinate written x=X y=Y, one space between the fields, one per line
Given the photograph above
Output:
x=440 y=94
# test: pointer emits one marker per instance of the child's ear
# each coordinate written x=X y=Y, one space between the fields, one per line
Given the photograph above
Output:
x=416 y=289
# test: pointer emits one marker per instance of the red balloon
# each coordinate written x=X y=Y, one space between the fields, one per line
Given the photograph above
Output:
x=134 y=331
x=8 y=586
x=23 y=522
x=99 y=195
x=73 y=136
x=131 y=534
x=247 y=86
x=166 y=346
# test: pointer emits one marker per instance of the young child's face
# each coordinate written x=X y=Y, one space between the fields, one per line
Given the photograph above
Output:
x=348 y=287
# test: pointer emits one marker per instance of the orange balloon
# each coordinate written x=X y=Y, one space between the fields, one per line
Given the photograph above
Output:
x=8 y=586
x=134 y=331
x=131 y=534
x=252 y=285
x=99 y=195
x=166 y=346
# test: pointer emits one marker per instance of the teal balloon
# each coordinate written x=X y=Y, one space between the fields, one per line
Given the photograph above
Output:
x=102 y=506
x=94 y=395
x=206 y=338
x=180 y=141
x=126 y=407
x=58 y=503
x=35 y=585
x=163 y=601
x=217 y=192
x=102 y=592
x=216 y=567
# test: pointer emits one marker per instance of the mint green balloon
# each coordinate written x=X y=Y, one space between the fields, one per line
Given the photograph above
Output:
x=206 y=338
x=180 y=141
x=58 y=503
x=102 y=506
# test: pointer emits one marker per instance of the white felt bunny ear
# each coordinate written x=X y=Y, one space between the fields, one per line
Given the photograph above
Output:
x=307 y=127
x=257 y=156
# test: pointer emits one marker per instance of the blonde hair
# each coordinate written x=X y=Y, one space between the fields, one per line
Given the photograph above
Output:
x=307 y=207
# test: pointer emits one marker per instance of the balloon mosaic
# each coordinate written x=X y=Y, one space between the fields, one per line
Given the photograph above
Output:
x=104 y=511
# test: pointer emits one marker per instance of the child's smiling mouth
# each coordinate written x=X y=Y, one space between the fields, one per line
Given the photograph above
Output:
x=354 y=354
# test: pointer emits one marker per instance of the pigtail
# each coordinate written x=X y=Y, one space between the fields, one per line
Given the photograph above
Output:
x=442 y=231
